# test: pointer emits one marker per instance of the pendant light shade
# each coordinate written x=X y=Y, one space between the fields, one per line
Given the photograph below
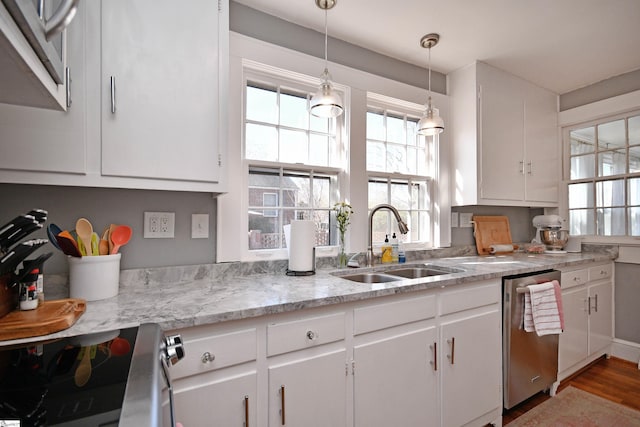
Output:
x=431 y=123
x=326 y=102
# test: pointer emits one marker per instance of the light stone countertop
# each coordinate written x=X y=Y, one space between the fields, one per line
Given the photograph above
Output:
x=180 y=297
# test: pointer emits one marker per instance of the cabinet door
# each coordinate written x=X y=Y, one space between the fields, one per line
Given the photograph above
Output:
x=501 y=129
x=572 y=346
x=230 y=401
x=601 y=317
x=471 y=367
x=162 y=58
x=542 y=170
x=395 y=381
x=309 y=392
x=39 y=140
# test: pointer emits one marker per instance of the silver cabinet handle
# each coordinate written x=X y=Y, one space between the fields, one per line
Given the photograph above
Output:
x=452 y=356
x=589 y=305
x=112 y=84
x=246 y=411
x=208 y=357
x=596 y=306
x=61 y=18
x=67 y=79
x=530 y=168
x=282 y=419
x=311 y=335
x=435 y=356
x=521 y=163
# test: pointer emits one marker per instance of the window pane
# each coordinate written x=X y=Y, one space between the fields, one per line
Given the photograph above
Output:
x=611 y=222
x=380 y=226
x=262 y=180
x=261 y=142
x=425 y=232
x=634 y=130
x=395 y=130
x=296 y=190
x=319 y=150
x=583 y=166
x=634 y=191
x=263 y=230
x=262 y=105
x=582 y=140
x=612 y=163
x=322 y=192
x=323 y=235
x=610 y=193
x=581 y=222
x=293 y=146
x=396 y=158
x=634 y=159
x=293 y=111
x=400 y=196
x=412 y=132
x=377 y=193
x=611 y=135
x=581 y=195
x=422 y=162
x=319 y=124
x=634 y=221
x=376 y=156
x=375 y=126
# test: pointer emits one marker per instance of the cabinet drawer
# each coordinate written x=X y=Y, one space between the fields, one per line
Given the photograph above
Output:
x=600 y=272
x=470 y=297
x=304 y=333
x=569 y=279
x=223 y=350
x=381 y=316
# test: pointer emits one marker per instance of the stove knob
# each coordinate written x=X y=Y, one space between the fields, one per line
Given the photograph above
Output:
x=174 y=350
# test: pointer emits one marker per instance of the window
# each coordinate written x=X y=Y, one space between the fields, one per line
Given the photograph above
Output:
x=291 y=159
x=604 y=177
x=400 y=171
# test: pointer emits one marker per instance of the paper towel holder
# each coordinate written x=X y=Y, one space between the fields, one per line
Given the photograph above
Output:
x=305 y=273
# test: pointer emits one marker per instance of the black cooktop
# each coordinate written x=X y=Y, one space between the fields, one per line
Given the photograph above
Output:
x=73 y=381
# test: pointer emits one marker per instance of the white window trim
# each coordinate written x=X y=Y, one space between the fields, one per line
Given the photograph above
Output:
x=584 y=114
x=231 y=233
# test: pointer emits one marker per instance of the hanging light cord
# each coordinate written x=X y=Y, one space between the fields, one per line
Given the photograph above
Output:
x=429 y=61
x=326 y=67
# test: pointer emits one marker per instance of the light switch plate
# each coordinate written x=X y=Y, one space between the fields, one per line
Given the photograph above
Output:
x=465 y=220
x=199 y=226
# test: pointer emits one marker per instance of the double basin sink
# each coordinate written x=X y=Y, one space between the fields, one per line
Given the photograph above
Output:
x=415 y=271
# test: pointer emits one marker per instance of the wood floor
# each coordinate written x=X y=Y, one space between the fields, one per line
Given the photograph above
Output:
x=613 y=379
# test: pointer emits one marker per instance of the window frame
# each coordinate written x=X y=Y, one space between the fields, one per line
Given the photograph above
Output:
x=599 y=177
x=397 y=107
x=260 y=74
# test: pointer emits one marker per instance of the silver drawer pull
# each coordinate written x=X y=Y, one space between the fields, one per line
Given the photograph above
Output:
x=208 y=357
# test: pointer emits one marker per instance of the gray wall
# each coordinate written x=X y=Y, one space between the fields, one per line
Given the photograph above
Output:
x=604 y=89
x=104 y=206
x=520 y=224
x=627 y=301
x=271 y=29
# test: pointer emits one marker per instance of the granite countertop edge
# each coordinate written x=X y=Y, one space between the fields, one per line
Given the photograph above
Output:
x=207 y=299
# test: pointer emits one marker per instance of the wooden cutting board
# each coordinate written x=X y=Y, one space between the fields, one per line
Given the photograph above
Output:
x=51 y=316
x=491 y=230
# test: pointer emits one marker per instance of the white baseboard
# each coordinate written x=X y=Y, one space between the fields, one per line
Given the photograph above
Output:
x=626 y=350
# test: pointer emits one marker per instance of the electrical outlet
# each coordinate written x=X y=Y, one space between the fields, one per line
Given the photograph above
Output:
x=199 y=226
x=159 y=225
x=465 y=220
x=454 y=219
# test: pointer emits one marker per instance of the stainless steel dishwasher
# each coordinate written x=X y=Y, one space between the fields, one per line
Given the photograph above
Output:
x=530 y=362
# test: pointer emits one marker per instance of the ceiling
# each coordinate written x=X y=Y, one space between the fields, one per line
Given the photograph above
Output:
x=561 y=45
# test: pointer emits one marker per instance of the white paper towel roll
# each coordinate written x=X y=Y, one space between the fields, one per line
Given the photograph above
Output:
x=301 y=243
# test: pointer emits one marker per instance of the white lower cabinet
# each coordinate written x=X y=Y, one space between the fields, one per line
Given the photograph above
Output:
x=309 y=392
x=394 y=382
x=428 y=358
x=587 y=299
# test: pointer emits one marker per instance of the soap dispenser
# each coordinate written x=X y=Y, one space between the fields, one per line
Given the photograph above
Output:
x=386 y=251
x=394 y=248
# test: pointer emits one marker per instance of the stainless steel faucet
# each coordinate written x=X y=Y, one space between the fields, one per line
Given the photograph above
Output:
x=402 y=226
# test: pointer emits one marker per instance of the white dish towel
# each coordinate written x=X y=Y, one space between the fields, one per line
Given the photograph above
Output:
x=543 y=309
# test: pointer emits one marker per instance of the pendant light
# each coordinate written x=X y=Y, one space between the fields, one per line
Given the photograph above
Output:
x=431 y=123
x=326 y=102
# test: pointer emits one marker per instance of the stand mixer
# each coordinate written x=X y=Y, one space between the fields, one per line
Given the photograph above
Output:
x=549 y=233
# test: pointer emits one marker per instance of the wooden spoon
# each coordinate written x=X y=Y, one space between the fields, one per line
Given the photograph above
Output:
x=84 y=229
x=83 y=371
x=120 y=236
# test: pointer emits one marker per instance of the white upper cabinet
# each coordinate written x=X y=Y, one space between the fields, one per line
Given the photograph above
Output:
x=504 y=139
x=148 y=90
x=32 y=67
x=161 y=67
